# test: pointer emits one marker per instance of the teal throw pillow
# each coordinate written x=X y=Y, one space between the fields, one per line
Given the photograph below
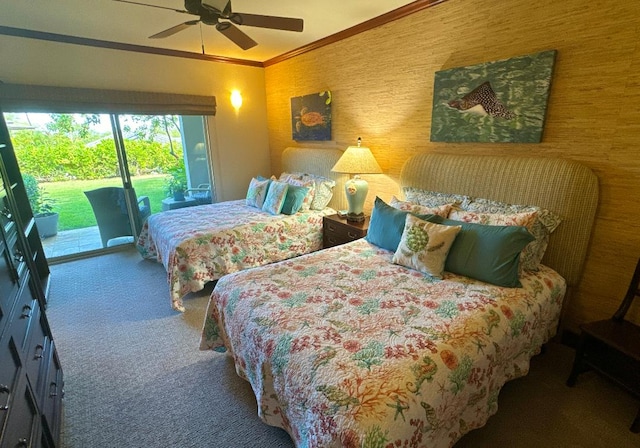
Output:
x=487 y=253
x=294 y=199
x=387 y=224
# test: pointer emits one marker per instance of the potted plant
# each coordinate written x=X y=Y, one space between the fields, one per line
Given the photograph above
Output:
x=176 y=184
x=42 y=207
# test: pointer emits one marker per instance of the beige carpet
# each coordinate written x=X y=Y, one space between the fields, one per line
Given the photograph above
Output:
x=134 y=376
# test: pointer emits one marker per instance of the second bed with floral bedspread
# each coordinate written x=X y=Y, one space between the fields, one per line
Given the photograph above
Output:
x=200 y=244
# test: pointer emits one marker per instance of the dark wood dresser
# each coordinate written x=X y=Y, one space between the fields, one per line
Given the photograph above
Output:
x=31 y=381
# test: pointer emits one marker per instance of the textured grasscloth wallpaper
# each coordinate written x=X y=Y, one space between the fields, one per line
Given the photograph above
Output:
x=382 y=85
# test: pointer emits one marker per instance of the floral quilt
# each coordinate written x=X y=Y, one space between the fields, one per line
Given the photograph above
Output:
x=345 y=349
x=200 y=244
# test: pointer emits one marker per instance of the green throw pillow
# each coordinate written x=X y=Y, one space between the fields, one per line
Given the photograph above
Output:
x=387 y=224
x=487 y=253
x=294 y=199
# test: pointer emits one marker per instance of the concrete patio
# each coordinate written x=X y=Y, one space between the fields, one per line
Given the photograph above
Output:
x=70 y=242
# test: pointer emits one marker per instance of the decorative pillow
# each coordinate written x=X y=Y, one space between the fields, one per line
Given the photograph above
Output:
x=257 y=192
x=549 y=219
x=434 y=198
x=442 y=210
x=546 y=223
x=495 y=219
x=311 y=191
x=525 y=219
x=323 y=188
x=424 y=245
x=294 y=198
x=275 y=197
x=324 y=191
x=487 y=253
x=387 y=224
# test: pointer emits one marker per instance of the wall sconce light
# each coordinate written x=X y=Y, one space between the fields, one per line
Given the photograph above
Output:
x=356 y=160
x=236 y=99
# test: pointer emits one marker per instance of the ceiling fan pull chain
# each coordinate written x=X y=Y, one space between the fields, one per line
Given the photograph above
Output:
x=201 y=38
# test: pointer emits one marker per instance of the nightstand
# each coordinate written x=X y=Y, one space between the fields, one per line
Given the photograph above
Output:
x=338 y=231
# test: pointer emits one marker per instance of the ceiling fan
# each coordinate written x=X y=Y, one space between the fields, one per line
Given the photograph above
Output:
x=219 y=14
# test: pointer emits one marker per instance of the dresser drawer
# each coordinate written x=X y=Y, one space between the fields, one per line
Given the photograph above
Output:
x=9 y=375
x=8 y=286
x=26 y=311
x=337 y=231
x=37 y=352
x=22 y=428
x=53 y=394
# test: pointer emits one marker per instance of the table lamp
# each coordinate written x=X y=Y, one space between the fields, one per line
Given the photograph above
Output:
x=356 y=160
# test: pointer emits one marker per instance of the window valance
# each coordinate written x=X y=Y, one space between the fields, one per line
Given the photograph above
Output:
x=34 y=98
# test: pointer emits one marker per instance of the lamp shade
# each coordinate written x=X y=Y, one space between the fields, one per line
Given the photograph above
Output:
x=357 y=160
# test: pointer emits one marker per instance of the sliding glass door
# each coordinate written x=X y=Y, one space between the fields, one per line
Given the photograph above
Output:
x=100 y=176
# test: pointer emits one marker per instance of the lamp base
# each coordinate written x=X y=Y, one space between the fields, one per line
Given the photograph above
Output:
x=355 y=217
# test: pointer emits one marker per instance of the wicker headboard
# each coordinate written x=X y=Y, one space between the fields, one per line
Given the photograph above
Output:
x=562 y=186
x=317 y=161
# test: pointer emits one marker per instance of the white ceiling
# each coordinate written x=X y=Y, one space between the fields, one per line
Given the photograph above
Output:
x=113 y=21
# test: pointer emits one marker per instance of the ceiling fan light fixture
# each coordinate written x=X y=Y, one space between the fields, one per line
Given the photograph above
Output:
x=221 y=26
x=209 y=12
x=236 y=18
x=221 y=6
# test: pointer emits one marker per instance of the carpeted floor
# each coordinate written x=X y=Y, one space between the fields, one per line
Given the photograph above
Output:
x=134 y=376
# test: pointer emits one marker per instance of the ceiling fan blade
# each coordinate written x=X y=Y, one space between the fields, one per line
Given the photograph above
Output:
x=173 y=30
x=153 y=6
x=234 y=34
x=273 y=22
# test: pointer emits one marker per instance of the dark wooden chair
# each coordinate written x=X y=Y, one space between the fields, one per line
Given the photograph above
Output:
x=612 y=348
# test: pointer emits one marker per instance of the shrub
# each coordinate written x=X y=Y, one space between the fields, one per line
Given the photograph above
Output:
x=177 y=180
x=39 y=200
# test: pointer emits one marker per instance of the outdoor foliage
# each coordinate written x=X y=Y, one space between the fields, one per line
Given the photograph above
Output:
x=177 y=180
x=57 y=157
x=39 y=199
x=71 y=154
x=70 y=147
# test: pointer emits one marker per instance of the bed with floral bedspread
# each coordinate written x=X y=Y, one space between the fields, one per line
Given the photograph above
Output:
x=200 y=244
x=343 y=348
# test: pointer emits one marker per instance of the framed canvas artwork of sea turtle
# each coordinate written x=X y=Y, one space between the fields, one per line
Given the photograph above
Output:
x=499 y=101
x=311 y=117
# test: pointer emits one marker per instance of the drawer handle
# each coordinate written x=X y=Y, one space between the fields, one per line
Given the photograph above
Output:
x=18 y=256
x=53 y=393
x=352 y=235
x=26 y=312
x=5 y=390
x=331 y=240
x=38 y=352
x=331 y=227
x=6 y=213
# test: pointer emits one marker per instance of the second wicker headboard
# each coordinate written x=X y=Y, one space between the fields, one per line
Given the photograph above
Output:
x=562 y=186
x=317 y=161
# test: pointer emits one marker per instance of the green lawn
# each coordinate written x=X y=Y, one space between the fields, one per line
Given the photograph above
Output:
x=74 y=208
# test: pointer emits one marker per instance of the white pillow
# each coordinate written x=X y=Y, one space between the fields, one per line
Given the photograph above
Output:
x=257 y=192
x=417 y=209
x=424 y=245
x=323 y=187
